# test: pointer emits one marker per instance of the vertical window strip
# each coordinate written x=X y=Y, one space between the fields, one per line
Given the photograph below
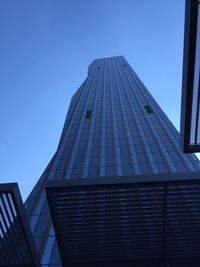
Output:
x=128 y=131
x=162 y=147
x=90 y=135
x=78 y=137
x=36 y=213
x=103 y=135
x=68 y=131
x=177 y=146
x=86 y=94
x=39 y=205
x=110 y=164
x=152 y=163
x=142 y=102
x=80 y=106
x=116 y=134
x=74 y=103
x=149 y=154
x=170 y=127
x=142 y=132
x=164 y=121
x=161 y=120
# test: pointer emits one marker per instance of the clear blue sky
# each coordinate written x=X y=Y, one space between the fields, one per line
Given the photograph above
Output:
x=45 y=48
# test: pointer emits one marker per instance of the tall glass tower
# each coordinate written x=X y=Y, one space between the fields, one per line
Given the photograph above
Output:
x=114 y=128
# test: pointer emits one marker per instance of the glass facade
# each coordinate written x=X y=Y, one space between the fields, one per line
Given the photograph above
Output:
x=114 y=127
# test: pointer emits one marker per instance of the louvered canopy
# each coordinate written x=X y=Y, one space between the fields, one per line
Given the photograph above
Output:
x=145 y=221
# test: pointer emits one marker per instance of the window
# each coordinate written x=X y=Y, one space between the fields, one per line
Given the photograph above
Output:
x=88 y=114
x=148 y=109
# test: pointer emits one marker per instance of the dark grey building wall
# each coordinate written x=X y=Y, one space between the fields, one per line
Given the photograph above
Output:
x=114 y=127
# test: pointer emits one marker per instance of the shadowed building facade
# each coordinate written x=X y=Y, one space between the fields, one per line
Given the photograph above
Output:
x=114 y=128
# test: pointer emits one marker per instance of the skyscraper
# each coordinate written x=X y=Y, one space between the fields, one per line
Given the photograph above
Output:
x=114 y=128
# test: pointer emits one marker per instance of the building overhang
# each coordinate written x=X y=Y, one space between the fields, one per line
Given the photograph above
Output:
x=17 y=247
x=190 y=103
x=136 y=220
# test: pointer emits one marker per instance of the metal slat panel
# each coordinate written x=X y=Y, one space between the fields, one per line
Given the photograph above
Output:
x=159 y=221
x=190 y=120
x=16 y=243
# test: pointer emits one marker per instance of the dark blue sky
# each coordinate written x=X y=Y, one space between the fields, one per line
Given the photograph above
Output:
x=45 y=49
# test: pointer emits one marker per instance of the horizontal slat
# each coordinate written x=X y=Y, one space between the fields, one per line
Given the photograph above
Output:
x=142 y=222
